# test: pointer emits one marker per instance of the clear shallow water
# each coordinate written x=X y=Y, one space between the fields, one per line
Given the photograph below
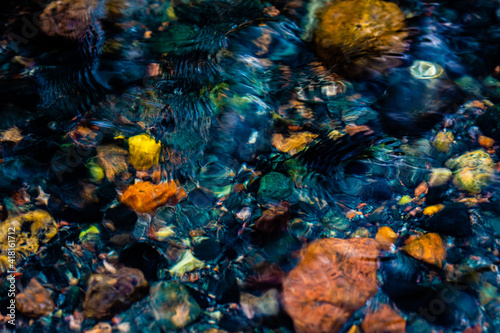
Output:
x=207 y=143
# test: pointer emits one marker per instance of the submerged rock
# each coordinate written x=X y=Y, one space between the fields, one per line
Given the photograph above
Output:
x=187 y=263
x=112 y=160
x=428 y=248
x=451 y=220
x=334 y=278
x=386 y=237
x=276 y=185
x=35 y=300
x=408 y=283
x=360 y=36
x=31 y=230
x=273 y=221
x=265 y=305
x=443 y=141
x=173 y=306
x=144 y=151
x=67 y=18
x=472 y=171
x=111 y=293
x=489 y=122
x=293 y=144
x=439 y=177
x=383 y=320
x=146 y=197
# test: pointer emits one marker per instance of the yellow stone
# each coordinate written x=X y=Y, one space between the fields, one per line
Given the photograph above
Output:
x=404 y=200
x=431 y=210
x=472 y=170
x=187 y=263
x=354 y=329
x=443 y=141
x=144 y=151
x=30 y=230
x=439 y=176
x=293 y=144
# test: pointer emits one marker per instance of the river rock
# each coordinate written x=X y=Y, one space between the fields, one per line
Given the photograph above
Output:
x=276 y=185
x=35 y=300
x=111 y=293
x=173 y=306
x=333 y=278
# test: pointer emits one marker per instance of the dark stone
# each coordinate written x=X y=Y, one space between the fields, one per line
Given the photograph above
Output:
x=356 y=168
x=489 y=122
x=201 y=198
x=108 y=294
x=207 y=249
x=436 y=194
x=407 y=283
x=378 y=191
x=453 y=220
x=225 y=288
x=122 y=217
x=73 y=299
x=454 y=255
x=144 y=257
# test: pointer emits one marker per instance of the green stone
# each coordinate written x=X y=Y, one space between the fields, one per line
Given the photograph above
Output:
x=276 y=185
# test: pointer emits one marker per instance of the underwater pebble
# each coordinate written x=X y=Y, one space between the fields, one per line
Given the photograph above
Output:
x=439 y=176
x=34 y=301
x=383 y=320
x=265 y=305
x=173 y=306
x=111 y=293
x=386 y=237
x=443 y=141
x=276 y=185
x=144 y=151
x=333 y=278
x=360 y=27
x=145 y=197
x=472 y=171
x=428 y=248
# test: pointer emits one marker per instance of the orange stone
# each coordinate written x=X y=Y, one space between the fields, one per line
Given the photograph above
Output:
x=383 y=320
x=486 y=142
x=475 y=329
x=35 y=300
x=386 y=237
x=145 y=197
x=428 y=248
x=333 y=279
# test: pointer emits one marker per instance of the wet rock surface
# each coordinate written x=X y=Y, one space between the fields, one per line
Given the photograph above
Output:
x=279 y=166
x=172 y=305
x=109 y=293
x=35 y=300
x=333 y=278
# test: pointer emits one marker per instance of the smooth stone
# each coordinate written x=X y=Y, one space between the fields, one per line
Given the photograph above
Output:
x=276 y=185
x=173 y=306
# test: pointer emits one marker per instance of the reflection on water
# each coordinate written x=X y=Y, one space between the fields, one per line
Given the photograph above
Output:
x=249 y=166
